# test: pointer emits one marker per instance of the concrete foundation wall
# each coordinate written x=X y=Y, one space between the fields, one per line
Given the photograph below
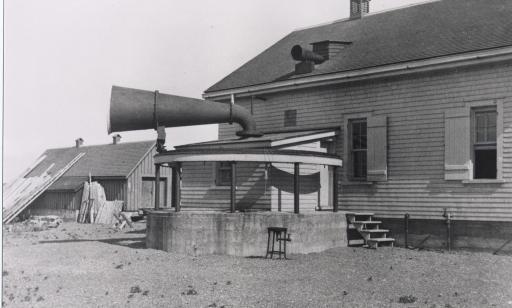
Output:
x=242 y=234
x=472 y=235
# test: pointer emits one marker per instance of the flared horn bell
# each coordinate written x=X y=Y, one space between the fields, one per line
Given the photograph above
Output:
x=132 y=109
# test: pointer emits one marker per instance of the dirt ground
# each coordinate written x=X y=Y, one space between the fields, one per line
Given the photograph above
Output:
x=95 y=266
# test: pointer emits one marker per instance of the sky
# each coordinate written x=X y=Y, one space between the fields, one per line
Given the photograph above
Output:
x=61 y=58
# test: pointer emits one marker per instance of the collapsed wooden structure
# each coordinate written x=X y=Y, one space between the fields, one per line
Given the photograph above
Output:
x=24 y=190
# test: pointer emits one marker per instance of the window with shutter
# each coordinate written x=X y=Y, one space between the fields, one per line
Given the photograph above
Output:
x=474 y=142
x=366 y=144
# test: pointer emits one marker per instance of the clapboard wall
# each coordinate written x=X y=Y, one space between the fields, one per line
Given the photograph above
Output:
x=415 y=106
x=145 y=169
x=59 y=200
x=260 y=186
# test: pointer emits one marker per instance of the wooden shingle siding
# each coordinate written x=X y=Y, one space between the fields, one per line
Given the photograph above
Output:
x=415 y=107
x=146 y=168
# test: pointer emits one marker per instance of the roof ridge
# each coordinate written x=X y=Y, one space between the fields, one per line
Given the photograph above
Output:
x=102 y=145
x=327 y=23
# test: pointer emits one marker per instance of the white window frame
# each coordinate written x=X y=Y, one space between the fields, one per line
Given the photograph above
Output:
x=347 y=148
x=470 y=107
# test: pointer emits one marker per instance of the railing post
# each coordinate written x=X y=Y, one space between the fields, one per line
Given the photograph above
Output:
x=233 y=187
x=157 y=186
x=296 y=188
x=176 y=186
x=335 y=189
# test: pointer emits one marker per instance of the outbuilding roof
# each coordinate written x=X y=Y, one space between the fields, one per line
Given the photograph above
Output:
x=424 y=31
x=109 y=160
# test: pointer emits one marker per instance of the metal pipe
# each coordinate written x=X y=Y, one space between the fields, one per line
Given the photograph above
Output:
x=157 y=186
x=233 y=187
x=335 y=189
x=448 y=220
x=296 y=188
x=132 y=109
x=406 y=229
x=302 y=54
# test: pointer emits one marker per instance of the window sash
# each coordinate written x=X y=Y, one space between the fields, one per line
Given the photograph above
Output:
x=223 y=174
x=358 y=148
x=484 y=136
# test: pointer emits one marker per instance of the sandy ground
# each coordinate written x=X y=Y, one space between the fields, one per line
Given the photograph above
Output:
x=95 y=266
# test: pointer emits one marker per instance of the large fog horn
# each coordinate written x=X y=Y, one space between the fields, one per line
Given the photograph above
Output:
x=132 y=109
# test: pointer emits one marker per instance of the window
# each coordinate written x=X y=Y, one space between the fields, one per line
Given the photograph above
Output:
x=223 y=174
x=484 y=152
x=290 y=118
x=358 y=148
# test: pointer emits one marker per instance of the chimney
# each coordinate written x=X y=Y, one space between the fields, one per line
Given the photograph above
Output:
x=328 y=49
x=79 y=142
x=359 y=8
x=116 y=139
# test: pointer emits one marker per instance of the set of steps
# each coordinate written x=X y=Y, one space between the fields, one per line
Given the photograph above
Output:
x=371 y=234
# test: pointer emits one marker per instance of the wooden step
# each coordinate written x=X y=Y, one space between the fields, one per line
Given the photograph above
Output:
x=374 y=231
x=381 y=239
x=367 y=222
x=374 y=242
x=360 y=214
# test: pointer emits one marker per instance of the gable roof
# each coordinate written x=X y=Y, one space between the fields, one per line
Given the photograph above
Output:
x=424 y=31
x=109 y=160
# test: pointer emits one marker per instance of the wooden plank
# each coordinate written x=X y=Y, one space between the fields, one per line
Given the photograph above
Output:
x=37 y=191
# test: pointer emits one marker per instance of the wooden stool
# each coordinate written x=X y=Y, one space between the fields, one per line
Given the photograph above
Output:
x=280 y=235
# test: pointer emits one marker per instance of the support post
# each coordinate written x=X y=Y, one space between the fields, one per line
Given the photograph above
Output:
x=157 y=186
x=449 y=231
x=233 y=187
x=176 y=186
x=406 y=230
x=335 y=189
x=296 y=188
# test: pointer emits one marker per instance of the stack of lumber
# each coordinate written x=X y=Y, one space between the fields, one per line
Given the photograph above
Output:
x=95 y=208
x=93 y=197
x=24 y=190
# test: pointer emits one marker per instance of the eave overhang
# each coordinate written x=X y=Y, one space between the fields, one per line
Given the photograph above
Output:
x=248 y=155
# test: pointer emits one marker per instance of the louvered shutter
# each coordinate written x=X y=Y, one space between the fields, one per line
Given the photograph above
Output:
x=377 y=149
x=457 y=161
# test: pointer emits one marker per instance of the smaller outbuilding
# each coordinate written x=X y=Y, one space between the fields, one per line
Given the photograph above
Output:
x=125 y=170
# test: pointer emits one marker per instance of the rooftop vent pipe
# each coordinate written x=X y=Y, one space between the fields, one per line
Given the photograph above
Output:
x=307 y=59
x=79 y=142
x=302 y=54
x=132 y=109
